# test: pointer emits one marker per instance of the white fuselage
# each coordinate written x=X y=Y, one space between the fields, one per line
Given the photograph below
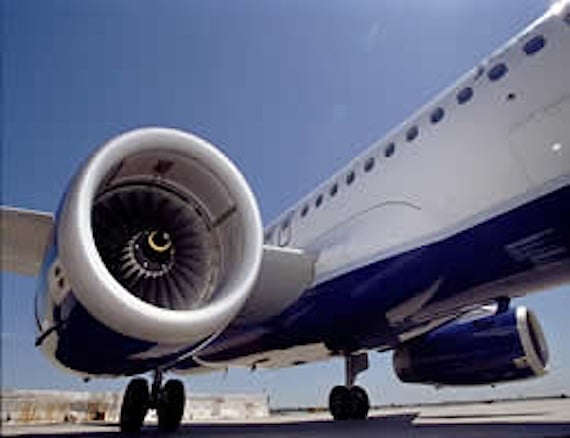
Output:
x=507 y=144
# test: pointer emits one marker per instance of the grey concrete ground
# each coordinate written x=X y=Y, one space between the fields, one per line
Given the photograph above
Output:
x=547 y=418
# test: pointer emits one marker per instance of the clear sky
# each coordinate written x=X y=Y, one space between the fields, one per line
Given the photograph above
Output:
x=290 y=90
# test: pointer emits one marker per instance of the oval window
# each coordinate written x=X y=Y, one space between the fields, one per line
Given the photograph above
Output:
x=369 y=164
x=497 y=72
x=534 y=45
x=464 y=95
x=350 y=177
x=437 y=115
x=412 y=133
x=334 y=189
x=390 y=149
x=319 y=201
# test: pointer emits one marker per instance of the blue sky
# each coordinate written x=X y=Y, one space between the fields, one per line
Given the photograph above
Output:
x=290 y=90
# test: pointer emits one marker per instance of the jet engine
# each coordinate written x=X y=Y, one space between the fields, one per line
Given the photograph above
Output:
x=497 y=348
x=159 y=237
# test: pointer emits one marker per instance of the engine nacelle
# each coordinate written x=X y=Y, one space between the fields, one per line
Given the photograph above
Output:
x=159 y=237
x=497 y=348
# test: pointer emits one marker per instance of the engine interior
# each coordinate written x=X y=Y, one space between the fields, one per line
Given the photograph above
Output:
x=160 y=229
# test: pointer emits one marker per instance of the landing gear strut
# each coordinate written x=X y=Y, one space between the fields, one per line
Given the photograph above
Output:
x=350 y=402
x=168 y=400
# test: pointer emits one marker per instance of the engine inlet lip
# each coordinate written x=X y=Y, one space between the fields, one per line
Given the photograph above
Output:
x=75 y=242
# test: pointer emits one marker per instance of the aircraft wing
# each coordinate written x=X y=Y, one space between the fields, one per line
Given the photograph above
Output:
x=284 y=273
x=24 y=238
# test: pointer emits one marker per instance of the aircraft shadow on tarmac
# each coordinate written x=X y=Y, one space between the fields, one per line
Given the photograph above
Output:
x=385 y=426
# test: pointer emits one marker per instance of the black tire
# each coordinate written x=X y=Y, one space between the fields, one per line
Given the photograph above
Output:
x=170 y=407
x=135 y=406
x=360 y=403
x=340 y=403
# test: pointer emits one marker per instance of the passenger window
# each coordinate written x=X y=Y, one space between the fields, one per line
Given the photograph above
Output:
x=437 y=115
x=390 y=149
x=319 y=201
x=333 y=190
x=369 y=164
x=412 y=133
x=350 y=177
x=534 y=45
x=285 y=232
x=464 y=95
x=497 y=72
x=305 y=210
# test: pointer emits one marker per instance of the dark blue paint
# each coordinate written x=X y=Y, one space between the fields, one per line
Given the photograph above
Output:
x=83 y=343
x=466 y=353
x=348 y=312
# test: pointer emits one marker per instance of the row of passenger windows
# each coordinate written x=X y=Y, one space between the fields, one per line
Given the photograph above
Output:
x=495 y=73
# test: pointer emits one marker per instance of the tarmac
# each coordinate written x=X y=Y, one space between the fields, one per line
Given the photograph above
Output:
x=545 y=418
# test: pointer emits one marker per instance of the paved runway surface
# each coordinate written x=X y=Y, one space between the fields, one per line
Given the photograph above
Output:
x=549 y=418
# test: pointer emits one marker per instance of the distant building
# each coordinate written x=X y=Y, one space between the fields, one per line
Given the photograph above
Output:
x=23 y=406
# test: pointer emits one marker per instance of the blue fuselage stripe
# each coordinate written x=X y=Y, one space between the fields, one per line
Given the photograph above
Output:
x=349 y=312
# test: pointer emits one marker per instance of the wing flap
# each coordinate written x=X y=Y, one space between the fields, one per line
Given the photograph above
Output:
x=24 y=236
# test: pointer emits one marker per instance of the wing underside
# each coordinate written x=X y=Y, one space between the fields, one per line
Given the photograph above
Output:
x=24 y=238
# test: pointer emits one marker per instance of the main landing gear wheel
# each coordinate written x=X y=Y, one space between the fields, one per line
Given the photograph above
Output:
x=340 y=403
x=135 y=406
x=360 y=403
x=170 y=406
x=350 y=402
x=168 y=400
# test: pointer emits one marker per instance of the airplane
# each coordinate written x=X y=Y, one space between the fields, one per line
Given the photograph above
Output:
x=157 y=261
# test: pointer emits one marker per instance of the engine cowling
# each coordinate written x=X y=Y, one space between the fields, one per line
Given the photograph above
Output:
x=160 y=236
x=497 y=348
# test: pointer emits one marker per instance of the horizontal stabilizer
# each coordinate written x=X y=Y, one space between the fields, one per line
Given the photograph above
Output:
x=24 y=238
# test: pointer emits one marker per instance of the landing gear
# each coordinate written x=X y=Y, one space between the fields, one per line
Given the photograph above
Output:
x=340 y=403
x=135 y=406
x=360 y=403
x=170 y=406
x=350 y=402
x=168 y=400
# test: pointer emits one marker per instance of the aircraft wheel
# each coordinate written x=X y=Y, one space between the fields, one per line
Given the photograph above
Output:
x=170 y=406
x=360 y=403
x=135 y=406
x=340 y=403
